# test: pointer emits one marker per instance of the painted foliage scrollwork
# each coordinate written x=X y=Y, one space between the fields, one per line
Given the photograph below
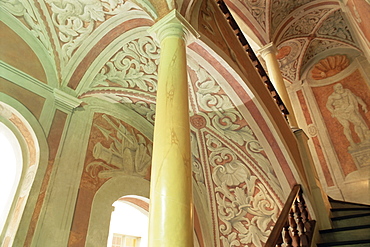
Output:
x=336 y=27
x=245 y=206
x=133 y=66
x=228 y=122
x=282 y=9
x=75 y=20
x=257 y=9
x=288 y=56
x=306 y=24
x=219 y=108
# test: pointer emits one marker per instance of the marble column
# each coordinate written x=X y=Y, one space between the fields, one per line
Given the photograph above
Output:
x=268 y=52
x=171 y=203
x=316 y=194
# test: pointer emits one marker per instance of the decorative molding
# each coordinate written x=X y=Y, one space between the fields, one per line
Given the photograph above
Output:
x=107 y=38
x=174 y=24
x=312 y=130
x=352 y=67
x=244 y=205
x=198 y=168
x=64 y=101
x=318 y=46
x=28 y=168
x=289 y=59
x=45 y=57
x=5 y=112
x=24 y=80
x=267 y=49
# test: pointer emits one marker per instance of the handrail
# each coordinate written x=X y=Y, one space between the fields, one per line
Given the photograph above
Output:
x=276 y=231
x=261 y=71
x=293 y=227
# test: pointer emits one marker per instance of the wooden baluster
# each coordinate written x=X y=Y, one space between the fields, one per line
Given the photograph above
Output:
x=300 y=225
x=280 y=241
x=306 y=224
x=293 y=226
x=304 y=214
x=291 y=223
x=286 y=236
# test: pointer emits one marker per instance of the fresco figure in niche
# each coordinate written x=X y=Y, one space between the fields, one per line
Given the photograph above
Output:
x=344 y=105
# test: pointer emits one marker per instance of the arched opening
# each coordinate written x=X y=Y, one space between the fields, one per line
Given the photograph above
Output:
x=11 y=167
x=21 y=144
x=101 y=211
x=129 y=222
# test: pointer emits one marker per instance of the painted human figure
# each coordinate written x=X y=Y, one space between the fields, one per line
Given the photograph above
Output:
x=344 y=105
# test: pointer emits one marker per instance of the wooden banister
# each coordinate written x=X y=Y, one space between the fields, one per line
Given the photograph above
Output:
x=261 y=71
x=293 y=227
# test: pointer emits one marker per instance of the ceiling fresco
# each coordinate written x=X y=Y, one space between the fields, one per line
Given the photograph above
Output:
x=320 y=44
x=101 y=49
x=77 y=27
x=306 y=28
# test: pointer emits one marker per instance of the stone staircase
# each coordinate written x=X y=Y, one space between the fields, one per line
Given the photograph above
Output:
x=351 y=226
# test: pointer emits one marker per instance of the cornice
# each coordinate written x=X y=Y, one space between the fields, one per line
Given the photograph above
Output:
x=64 y=101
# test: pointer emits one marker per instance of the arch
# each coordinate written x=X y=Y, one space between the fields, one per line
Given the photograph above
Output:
x=34 y=160
x=11 y=161
x=351 y=53
x=103 y=43
x=130 y=217
x=97 y=233
x=35 y=44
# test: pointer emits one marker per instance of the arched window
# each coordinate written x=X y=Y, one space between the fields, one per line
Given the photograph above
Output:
x=129 y=222
x=11 y=167
x=20 y=156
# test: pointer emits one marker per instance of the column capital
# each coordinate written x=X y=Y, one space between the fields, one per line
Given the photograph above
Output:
x=174 y=24
x=267 y=49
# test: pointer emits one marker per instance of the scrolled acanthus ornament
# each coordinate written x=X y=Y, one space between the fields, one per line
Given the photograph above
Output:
x=134 y=66
x=245 y=208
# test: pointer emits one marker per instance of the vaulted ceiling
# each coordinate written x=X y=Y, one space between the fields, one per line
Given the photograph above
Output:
x=102 y=49
x=301 y=30
x=86 y=51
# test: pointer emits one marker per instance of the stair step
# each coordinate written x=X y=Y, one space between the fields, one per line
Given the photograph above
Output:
x=353 y=233
x=336 y=212
x=339 y=204
x=351 y=220
x=359 y=243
